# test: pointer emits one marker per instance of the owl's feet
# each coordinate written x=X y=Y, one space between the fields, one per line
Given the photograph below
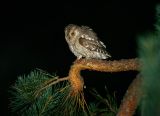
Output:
x=79 y=58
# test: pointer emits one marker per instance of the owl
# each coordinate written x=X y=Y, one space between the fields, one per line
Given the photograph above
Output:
x=83 y=42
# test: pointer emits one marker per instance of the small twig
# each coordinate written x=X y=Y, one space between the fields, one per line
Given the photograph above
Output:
x=51 y=82
x=54 y=82
x=109 y=106
x=105 y=101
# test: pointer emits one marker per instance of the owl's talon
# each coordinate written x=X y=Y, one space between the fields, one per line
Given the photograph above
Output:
x=79 y=57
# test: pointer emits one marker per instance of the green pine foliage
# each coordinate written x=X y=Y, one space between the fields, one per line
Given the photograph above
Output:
x=105 y=106
x=33 y=95
x=149 y=53
x=157 y=24
x=30 y=99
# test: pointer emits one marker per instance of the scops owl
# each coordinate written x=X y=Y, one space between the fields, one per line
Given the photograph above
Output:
x=83 y=42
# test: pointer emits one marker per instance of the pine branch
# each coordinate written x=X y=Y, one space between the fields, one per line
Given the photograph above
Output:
x=131 y=98
x=149 y=52
x=72 y=94
x=107 y=66
x=99 y=65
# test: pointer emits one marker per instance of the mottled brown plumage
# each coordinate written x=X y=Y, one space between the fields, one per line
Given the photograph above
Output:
x=83 y=42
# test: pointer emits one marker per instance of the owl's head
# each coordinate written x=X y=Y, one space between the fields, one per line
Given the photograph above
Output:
x=72 y=33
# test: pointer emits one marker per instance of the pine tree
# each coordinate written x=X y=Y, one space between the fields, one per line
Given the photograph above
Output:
x=149 y=52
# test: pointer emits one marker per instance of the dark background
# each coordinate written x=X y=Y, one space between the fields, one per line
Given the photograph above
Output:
x=32 y=36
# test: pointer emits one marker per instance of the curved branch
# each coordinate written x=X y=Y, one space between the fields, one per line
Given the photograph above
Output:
x=98 y=65
x=131 y=98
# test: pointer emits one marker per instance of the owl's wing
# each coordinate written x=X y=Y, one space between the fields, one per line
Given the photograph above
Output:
x=93 y=45
x=89 y=34
x=86 y=27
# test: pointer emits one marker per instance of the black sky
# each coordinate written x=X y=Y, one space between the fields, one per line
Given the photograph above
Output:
x=32 y=34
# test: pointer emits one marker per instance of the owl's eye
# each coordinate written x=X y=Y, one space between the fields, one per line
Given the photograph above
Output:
x=72 y=33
